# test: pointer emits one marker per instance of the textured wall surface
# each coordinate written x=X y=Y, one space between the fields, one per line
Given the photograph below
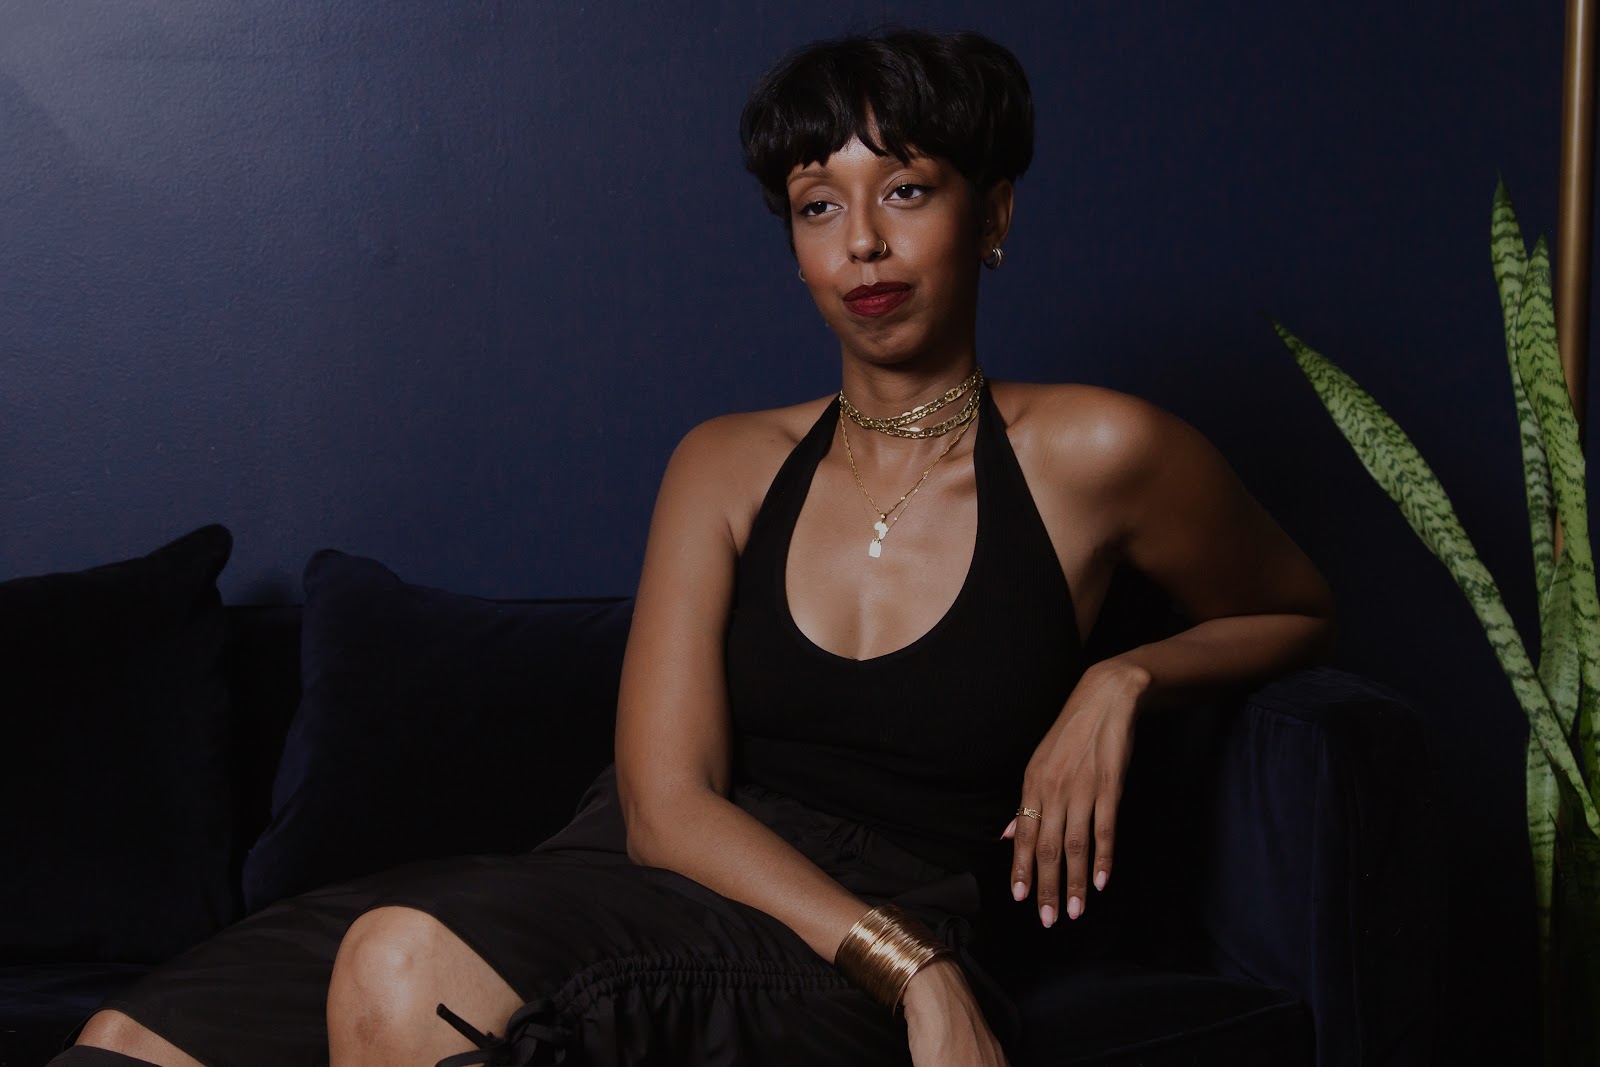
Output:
x=444 y=283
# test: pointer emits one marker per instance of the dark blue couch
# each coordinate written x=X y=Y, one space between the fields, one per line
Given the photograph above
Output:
x=1276 y=901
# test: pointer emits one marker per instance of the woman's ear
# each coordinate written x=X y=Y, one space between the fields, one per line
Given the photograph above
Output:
x=997 y=203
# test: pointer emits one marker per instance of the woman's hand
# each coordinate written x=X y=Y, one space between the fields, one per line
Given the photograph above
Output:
x=945 y=1026
x=1074 y=781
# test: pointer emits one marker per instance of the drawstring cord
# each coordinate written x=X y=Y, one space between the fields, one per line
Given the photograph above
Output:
x=524 y=1039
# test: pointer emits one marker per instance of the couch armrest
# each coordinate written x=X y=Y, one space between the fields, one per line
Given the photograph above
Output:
x=1322 y=872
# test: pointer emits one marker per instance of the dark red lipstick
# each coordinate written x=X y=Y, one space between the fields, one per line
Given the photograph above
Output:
x=876 y=299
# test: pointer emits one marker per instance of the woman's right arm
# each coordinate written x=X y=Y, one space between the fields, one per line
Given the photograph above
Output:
x=673 y=731
x=674 y=739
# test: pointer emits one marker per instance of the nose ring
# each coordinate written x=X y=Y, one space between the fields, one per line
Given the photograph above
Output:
x=881 y=249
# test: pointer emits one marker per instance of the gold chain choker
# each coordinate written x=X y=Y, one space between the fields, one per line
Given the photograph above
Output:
x=905 y=423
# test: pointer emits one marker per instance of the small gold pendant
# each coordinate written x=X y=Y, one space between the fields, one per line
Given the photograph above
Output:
x=881 y=528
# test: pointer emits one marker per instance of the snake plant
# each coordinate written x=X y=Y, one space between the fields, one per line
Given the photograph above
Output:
x=1561 y=695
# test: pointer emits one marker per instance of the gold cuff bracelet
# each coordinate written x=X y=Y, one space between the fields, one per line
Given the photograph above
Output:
x=883 y=950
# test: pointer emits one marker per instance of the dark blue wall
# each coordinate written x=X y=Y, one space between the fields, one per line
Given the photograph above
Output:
x=443 y=284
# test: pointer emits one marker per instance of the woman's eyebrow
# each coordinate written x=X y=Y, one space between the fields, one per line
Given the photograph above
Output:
x=810 y=170
x=886 y=161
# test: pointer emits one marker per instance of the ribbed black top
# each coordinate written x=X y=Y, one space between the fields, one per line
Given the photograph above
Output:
x=926 y=744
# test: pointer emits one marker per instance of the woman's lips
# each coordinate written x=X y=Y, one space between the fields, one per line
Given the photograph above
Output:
x=876 y=299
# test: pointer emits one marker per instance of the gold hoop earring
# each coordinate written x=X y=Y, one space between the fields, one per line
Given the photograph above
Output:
x=802 y=272
x=995 y=257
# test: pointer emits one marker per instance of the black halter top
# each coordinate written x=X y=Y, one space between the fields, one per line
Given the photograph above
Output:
x=927 y=744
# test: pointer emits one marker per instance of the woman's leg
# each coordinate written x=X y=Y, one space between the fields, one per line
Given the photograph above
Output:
x=88 y=1056
x=618 y=964
x=112 y=1031
x=327 y=969
x=253 y=995
x=395 y=966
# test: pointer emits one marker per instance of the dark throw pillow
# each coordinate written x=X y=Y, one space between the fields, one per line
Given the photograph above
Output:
x=433 y=724
x=115 y=829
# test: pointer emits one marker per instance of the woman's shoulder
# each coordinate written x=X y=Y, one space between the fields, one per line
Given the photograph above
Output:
x=751 y=439
x=772 y=428
x=1091 y=429
x=734 y=457
x=1098 y=443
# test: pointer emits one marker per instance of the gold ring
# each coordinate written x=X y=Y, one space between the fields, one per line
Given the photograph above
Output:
x=1031 y=813
x=881 y=248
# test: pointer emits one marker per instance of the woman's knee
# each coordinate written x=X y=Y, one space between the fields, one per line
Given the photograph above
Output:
x=388 y=949
x=116 y=1032
x=394 y=967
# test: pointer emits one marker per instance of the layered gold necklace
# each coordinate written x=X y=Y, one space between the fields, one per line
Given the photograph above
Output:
x=905 y=425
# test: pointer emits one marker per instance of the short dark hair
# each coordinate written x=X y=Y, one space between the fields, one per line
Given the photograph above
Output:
x=959 y=96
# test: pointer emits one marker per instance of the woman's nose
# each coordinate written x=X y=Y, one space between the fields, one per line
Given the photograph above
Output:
x=868 y=245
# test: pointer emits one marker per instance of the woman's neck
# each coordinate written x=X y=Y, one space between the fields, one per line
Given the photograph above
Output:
x=882 y=391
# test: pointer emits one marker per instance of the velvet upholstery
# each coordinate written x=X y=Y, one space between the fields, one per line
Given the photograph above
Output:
x=1324 y=877
x=263 y=665
x=1129 y=1015
x=428 y=720
x=43 y=1003
x=114 y=706
x=1278 y=892
x=1275 y=901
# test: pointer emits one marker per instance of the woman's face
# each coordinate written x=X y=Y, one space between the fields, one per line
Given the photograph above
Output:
x=891 y=250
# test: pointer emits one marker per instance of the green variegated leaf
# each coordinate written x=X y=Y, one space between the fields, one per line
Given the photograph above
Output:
x=1509 y=254
x=1397 y=466
x=1542 y=800
x=1558 y=673
x=1542 y=376
x=1560 y=664
x=1589 y=722
x=1510 y=257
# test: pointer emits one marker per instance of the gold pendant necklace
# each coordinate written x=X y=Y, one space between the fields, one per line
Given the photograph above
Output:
x=887 y=517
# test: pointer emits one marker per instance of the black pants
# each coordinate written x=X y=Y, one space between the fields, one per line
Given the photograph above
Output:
x=619 y=964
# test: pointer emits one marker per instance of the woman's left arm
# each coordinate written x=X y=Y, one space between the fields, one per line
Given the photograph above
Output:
x=1177 y=512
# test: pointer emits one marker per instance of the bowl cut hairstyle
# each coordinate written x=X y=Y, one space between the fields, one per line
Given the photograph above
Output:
x=959 y=96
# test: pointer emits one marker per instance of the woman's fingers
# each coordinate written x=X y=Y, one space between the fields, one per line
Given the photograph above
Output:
x=1068 y=852
x=1025 y=832
x=1105 y=834
x=1078 y=781
x=1075 y=848
x=1047 y=860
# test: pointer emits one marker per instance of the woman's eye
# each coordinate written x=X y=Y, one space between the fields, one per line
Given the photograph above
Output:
x=815 y=207
x=907 y=192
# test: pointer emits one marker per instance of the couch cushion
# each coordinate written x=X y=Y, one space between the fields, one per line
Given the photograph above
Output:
x=263 y=665
x=116 y=790
x=1127 y=1015
x=432 y=724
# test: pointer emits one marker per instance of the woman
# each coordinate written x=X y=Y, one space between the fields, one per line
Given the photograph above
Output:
x=855 y=666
